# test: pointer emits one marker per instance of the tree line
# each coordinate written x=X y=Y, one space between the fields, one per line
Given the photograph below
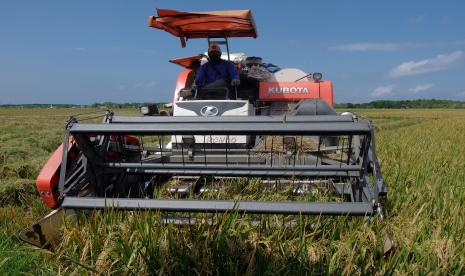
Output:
x=395 y=104
x=399 y=104
x=103 y=105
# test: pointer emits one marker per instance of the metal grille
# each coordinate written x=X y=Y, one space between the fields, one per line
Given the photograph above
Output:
x=303 y=148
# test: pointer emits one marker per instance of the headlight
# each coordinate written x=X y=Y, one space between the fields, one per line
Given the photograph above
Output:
x=317 y=76
x=353 y=115
x=148 y=109
x=144 y=110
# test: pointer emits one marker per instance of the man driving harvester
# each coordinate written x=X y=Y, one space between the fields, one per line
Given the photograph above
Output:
x=217 y=72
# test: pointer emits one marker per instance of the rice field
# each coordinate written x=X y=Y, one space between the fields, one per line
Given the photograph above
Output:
x=422 y=154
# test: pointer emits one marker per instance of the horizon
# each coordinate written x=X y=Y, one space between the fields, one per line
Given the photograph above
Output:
x=371 y=51
x=163 y=102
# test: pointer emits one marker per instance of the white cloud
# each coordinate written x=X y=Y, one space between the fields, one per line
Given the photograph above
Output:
x=382 y=91
x=139 y=85
x=150 y=84
x=445 y=19
x=418 y=19
x=74 y=48
x=122 y=86
x=148 y=51
x=440 y=62
x=144 y=84
x=368 y=46
x=421 y=88
x=393 y=46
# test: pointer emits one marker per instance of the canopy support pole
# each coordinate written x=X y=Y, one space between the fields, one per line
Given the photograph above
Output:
x=225 y=42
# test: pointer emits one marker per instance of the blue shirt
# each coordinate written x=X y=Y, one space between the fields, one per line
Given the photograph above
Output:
x=210 y=72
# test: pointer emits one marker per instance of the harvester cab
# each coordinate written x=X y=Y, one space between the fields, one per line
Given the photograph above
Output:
x=278 y=128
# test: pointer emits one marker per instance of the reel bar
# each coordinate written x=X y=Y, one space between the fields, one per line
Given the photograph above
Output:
x=226 y=128
x=230 y=119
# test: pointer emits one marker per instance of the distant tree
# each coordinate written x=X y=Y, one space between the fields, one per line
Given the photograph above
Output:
x=420 y=103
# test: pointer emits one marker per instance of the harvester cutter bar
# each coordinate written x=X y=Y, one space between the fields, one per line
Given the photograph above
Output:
x=221 y=206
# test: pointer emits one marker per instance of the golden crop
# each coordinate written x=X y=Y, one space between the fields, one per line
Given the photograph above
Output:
x=422 y=154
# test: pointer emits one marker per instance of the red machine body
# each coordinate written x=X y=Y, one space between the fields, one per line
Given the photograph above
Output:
x=48 y=178
x=274 y=91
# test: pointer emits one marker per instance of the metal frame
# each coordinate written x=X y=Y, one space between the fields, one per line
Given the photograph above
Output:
x=230 y=119
x=205 y=127
x=362 y=195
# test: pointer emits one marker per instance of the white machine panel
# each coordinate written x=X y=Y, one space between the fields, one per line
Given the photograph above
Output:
x=210 y=108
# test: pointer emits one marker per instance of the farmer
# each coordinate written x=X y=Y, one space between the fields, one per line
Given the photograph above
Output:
x=216 y=72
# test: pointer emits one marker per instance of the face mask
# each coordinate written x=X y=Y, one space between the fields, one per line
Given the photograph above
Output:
x=214 y=57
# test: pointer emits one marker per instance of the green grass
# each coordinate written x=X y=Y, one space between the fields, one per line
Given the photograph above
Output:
x=15 y=258
x=423 y=160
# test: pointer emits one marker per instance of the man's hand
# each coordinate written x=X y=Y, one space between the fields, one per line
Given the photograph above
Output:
x=235 y=82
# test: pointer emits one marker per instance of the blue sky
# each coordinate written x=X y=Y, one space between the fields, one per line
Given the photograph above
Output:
x=94 y=51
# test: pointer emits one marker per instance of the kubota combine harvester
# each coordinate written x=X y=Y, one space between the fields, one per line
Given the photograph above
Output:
x=278 y=127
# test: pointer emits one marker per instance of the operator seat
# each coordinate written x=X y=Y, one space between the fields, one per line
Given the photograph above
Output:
x=213 y=93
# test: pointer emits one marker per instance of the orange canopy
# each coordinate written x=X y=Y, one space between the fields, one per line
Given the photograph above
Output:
x=187 y=62
x=212 y=24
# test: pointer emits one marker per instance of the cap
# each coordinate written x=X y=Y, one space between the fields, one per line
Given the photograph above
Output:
x=214 y=48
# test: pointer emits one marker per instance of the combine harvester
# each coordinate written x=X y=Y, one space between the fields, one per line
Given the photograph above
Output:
x=277 y=127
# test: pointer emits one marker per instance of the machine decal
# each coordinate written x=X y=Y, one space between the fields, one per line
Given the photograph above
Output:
x=209 y=111
x=196 y=107
x=287 y=90
x=296 y=91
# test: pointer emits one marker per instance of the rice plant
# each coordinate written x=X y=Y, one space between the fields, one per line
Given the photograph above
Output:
x=423 y=160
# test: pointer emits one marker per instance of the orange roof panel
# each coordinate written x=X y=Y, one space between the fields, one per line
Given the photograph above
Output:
x=187 y=62
x=212 y=24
